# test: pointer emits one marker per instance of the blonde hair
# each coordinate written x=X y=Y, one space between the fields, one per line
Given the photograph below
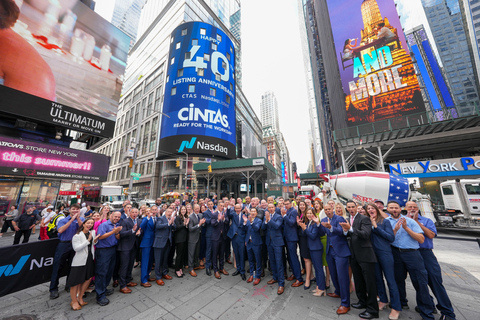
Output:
x=344 y=212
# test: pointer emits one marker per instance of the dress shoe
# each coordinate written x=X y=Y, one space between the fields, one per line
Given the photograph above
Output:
x=193 y=273
x=272 y=281
x=444 y=317
x=302 y=272
x=125 y=290
x=179 y=276
x=199 y=268
x=250 y=279
x=146 y=284
x=334 y=295
x=435 y=311
x=280 y=290
x=343 y=310
x=109 y=292
x=160 y=282
x=84 y=303
x=131 y=284
x=368 y=315
x=75 y=308
x=297 y=284
x=54 y=294
x=224 y=272
x=263 y=274
x=257 y=281
x=167 y=277
x=103 y=302
x=244 y=277
x=306 y=288
x=115 y=284
x=208 y=272
x=229 y=262
x=217 y=275
x=358 y=306
x=151 y=279
x=236 y=273
x=319 y=293
x=291 y=278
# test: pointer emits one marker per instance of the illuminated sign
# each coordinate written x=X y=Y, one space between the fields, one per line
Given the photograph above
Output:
x=283 y=172
x=65 y=67
x=446 y=167
x=376 y=70
x=25 y=158
x=199 y=93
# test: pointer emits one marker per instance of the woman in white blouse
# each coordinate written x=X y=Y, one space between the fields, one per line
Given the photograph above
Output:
x=83 y=267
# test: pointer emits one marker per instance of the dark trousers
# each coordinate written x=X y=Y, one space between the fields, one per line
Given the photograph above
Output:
x=255 y=260
x=317 y=262
x=172 y=254
x=264 y=252
x=338 y=267
x=161 y=260
x=293 y=260
x=239 y=250
x=275 y=253
x=208 y=252
x=385 y=268
x=147 y=261
x=180 y=259
x=412 y=262
x=365 y=284
x=116 y=269
x=193 y=254
x=63 y=256
x=7 y=224
x=218 y=249
x=203 y=244
x=104 y=265
x=228 y=249
x=127 y=258
x=26 y=235
x=138 y=254
x=435 y=282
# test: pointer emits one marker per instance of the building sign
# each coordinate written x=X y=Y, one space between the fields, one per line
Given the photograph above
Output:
x=199 y=93
x=283 y=171
x=65 y=69
x=376 y=70
x=433 y=168
x=25 y=158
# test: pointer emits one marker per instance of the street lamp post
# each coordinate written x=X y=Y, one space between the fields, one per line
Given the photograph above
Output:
x=186 y=170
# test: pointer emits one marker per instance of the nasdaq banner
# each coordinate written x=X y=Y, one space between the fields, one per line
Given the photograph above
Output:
x=376 y=70
x=199 y=94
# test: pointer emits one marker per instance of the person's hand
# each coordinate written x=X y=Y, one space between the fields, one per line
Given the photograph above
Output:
x=404 y=222
x=201 y=222
x=138 y=232
x=345 y=226
x=117 y=229
x=16 y=228
x=283 y=211
x=267 y=216
x=32 y=226
x=135 y=226
x=220 y=217
x=327 y=224
x=172 y=220
x=245 y=219
x=42 y=225
x=324 y=192
x=315 y=219
x=303 y=226
x=89 y=237
x=96 y=237
x=398 y=225
x=374 y=222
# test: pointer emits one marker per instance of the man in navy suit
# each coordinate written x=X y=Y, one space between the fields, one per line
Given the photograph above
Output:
x=161 y=245
x=148 y=230
x=338 y=254
x=126 y=250
x=291 y=237
x=208 y=233
x=253 y=241
x=219 y=222
x=273 y=224
x=237 y=234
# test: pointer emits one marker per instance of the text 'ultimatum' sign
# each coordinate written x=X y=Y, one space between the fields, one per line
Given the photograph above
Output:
x=199 y=93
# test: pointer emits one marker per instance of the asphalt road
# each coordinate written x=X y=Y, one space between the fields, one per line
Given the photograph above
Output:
x=231 y=298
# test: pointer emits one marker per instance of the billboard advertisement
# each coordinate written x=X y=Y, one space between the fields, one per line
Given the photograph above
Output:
x=376 y=70
x=61 y=64
x=199 y=94
x=33 y=159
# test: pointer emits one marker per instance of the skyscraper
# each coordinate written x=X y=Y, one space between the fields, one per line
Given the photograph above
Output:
x=447 y=24
x=269 y=111
x=126 y=15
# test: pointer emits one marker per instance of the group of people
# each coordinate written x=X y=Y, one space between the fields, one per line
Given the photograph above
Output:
x=335 y=242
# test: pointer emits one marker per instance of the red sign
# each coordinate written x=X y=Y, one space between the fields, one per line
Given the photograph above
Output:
x=67 y=193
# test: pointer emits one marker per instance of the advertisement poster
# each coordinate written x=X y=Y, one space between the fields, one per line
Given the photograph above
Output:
x=61 y=63
x=376 y=70
x=33 y=159
x=199 y=94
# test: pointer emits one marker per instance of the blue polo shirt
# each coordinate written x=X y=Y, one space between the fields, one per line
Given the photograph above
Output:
x=402 y=239
x=68 y=234
x=110 y=241
x=427 y=223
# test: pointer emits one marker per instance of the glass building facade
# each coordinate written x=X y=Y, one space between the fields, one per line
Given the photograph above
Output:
x=126 y=15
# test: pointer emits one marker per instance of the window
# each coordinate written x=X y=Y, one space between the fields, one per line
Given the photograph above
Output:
x=206 y=57
x=153 y=135
x=187 y=55
x=177 y=46
x=137 y=93
x=203 y=31
x=174 y=91
x=137 y=110
x=123 y=173
x=228 y=98
x=172 y=61
x=145 y=137
x=200 y=72
x=194 y=42
x=150 y=103
x=153 y=79
x=191 y=88
x=473 y=188
x=142 y=166
x=118 y=174
x=214 y=46
x=180 y=73
x=213 y=91
x=184 y=32
x=127 y=120
x=228 y=56
x=158 y=96
x=219 y=38
x=218 y=77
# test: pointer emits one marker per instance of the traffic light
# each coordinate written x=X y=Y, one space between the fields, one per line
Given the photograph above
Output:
x=210 y=168
x=178 y=163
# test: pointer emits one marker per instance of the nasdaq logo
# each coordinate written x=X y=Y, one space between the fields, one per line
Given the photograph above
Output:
x=10 y=270
x=187 y=145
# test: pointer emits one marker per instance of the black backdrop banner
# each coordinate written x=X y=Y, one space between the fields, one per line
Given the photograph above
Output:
x=26 y=265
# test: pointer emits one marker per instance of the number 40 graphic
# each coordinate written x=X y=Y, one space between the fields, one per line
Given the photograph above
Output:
x=199 y=63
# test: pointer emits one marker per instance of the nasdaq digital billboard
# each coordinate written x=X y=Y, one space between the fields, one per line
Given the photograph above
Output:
x=376 y=70
x=61 y=64
x=199 y=94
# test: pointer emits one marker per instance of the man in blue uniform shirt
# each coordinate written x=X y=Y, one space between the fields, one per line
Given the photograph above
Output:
x=408 y=237
x=435 y=281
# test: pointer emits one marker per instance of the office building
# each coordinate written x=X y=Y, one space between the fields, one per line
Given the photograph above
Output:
x=126 y=16
x=447 y=23
x=274 y=153
x=269 y=111
x=144 y=89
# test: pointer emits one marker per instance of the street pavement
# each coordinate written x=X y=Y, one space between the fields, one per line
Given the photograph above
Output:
x=231 y=298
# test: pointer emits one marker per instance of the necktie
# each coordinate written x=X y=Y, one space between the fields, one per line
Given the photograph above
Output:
x=240 y=218
x=351 y=220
